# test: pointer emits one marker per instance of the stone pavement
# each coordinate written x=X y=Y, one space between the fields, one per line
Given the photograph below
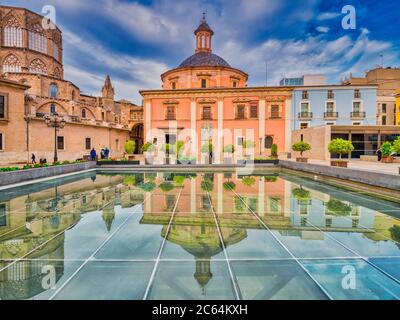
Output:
x=388 y=168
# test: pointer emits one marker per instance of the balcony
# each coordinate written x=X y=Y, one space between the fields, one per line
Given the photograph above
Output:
x=357 y=115
x=273 y=116
x=305 y=115
x=170 y=117
x=331 y=115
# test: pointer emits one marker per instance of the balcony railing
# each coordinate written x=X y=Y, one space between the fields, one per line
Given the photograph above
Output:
x=170 y=117
x=357 y=114
x=331 y=115
x=305 y=115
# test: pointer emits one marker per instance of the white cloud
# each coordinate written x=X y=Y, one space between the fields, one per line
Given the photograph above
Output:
x=141 y=73
x=312 y=55
x=328 y=16
x=323 y=29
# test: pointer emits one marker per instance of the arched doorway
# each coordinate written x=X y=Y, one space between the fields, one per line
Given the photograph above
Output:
x=137 y=134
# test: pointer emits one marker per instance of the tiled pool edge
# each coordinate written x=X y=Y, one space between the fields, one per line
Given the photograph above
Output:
x=385 y=186
x=24 y=177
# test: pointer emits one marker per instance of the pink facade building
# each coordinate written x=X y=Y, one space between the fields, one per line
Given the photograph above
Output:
x=206 y=100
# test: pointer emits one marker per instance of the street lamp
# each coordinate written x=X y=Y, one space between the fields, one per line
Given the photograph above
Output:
x=57 y=122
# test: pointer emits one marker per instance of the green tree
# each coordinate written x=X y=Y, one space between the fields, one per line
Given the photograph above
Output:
x=387 y=149
x=130 y=146
x=148 y=147
x=207 y=147
x=274 y=151
x=340 y=146
x=301 y=147
x=396 y=145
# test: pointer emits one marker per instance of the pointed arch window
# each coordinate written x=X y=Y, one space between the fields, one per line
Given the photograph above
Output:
x=12 y=33
x=83 y=114
x=37 y=39
x=53 y=91
x=11 y=64
x=37 y=66
x=55 y=51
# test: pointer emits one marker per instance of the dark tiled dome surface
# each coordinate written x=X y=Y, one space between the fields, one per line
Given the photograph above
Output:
x=204 y=59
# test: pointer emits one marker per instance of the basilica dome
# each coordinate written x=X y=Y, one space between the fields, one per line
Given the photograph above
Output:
x=204 y=69
x=204 y=59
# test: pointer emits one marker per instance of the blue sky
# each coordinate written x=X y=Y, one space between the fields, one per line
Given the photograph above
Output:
x=135 y=41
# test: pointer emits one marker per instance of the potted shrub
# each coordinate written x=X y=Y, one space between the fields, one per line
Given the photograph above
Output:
x=387 y=150
x=169 y=151
x=340 y=146
x=248 y=181
x=248 y=144
x=207 y=150
x=148 y=150
x=166 y=186
x=274 y=151
x=129 y=147
x=301 y=147
x=207 y=185
x=229 y=150
x=229 y=186
x=396 y=147
x=338 y=208
x=302 y=196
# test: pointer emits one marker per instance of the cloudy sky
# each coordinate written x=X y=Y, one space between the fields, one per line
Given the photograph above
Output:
x=136 y=41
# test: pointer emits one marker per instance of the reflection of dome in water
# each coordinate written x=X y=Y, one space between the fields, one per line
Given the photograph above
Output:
x=108 y=216
x=202 y=241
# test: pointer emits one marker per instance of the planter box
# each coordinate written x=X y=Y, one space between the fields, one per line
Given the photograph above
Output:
x=336 y=163
x=118 y=163
x=387 y=159
x=244 y=162
x=304 y=160
x=7 y=178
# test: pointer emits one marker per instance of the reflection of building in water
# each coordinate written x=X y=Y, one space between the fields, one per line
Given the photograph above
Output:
x=37 y=216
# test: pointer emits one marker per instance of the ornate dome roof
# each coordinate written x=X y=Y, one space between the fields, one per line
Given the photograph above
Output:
x=204 y=59
x=204 y=27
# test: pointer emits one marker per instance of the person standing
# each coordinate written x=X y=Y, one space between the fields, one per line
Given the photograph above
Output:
x=93 y=154
x=33 y=158
x=379 y=154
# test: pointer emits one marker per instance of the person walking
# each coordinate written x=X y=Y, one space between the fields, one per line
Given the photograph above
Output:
x=379 y=154
x=93 y=154
x=33 y=158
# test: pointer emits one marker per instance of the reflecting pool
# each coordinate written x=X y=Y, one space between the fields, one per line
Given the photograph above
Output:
x=196 y=236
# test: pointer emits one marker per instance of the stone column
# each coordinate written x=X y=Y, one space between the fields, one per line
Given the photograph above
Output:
x=288 y=124
x=261 y=197
x=147 y=120
x=193 y=122
x=220 y=193
x=262 y=119
x=220 y=130
x=193 y=196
